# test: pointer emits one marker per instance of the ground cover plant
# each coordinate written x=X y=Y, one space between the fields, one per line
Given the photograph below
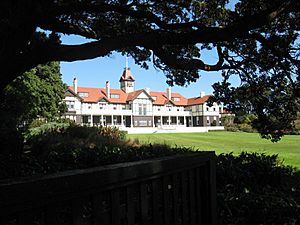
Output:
x=288 y=149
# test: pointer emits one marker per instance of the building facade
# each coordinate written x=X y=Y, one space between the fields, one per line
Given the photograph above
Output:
x=130 y=108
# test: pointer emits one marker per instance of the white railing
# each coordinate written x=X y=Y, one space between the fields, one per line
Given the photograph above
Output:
x=171 y=113
x=126 y=112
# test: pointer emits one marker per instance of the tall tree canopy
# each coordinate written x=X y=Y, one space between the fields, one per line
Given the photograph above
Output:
x=256 y=40
x=38 y=93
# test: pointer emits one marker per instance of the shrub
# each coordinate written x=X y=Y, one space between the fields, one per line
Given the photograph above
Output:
x=214 y=123
x=257 y=189
x=232 y=128
x=246 y=128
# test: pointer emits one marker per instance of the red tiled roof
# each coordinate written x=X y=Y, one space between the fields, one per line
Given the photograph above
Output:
x=198 y=100
x=127 y=76
x=162 y=99
x=96 y=94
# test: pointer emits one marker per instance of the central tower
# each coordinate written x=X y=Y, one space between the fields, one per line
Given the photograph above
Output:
x=127 y=81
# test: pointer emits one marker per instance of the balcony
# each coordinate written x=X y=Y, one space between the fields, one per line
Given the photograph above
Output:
x=106 y=111
x=171 y=113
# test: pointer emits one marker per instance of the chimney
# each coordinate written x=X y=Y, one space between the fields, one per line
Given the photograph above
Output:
x=147 y=90
x=75 y=85
x=169 y=93
x=202 y=94
x=107 y=86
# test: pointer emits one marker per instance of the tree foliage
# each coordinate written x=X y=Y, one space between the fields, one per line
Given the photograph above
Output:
x=38 y=93
x=256 y=40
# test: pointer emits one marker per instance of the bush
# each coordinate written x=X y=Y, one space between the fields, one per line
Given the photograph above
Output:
x=56 y=147
x=232 y=128
x=214 y=123
x=257 y=189
x=240 y=127
x=246 y=128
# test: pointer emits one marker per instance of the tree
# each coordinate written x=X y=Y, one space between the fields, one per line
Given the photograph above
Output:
x=256 y=40
x=38 y=93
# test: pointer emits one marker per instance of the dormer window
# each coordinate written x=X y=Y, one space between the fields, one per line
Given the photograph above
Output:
x=176 y=99
x=83 y=94
x=114 y=96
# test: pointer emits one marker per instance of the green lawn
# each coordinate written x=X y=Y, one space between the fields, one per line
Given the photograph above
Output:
x=288 y=149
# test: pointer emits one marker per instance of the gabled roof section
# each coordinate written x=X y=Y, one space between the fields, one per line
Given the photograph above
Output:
x=198 y=100
x=133 y=95
x=71 y=93
x=162 y=99
x=126 y=76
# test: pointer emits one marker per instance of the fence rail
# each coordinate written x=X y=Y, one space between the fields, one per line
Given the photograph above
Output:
x=175 y=190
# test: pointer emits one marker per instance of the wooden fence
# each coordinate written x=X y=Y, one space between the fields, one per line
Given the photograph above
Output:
x=177 y=190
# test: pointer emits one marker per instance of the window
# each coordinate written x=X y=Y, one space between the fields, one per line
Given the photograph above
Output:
x=175 y=99
x=70 y=104
x=169 y=108
x=207 y=109
x=177 y=109
x=142 y=109
x=158 y=109
x=114 y=96
x=154 y=98
x=83 y=94
x=214 y=109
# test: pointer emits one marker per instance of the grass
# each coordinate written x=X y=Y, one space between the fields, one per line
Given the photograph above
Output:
x=288 y=149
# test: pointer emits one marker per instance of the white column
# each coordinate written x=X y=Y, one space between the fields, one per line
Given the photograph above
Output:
x=91 y=122
x=169 y=120
x=102 y=120
x=112 y=120
x=192 y=121
x=161 y=121
x=177 y=120
x=153 y=121
x=122 y=122
x=131 y=121
x=184 y=121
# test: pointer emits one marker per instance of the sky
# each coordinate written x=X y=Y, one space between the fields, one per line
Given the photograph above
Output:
x=95 y=72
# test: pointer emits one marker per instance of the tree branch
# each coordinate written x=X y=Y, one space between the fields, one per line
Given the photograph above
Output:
x=189 y=64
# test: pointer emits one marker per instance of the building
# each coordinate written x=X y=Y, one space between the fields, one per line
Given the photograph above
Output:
x=132 y=109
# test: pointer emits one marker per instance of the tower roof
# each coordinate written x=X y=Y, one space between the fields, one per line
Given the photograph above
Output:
x=126 y=76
